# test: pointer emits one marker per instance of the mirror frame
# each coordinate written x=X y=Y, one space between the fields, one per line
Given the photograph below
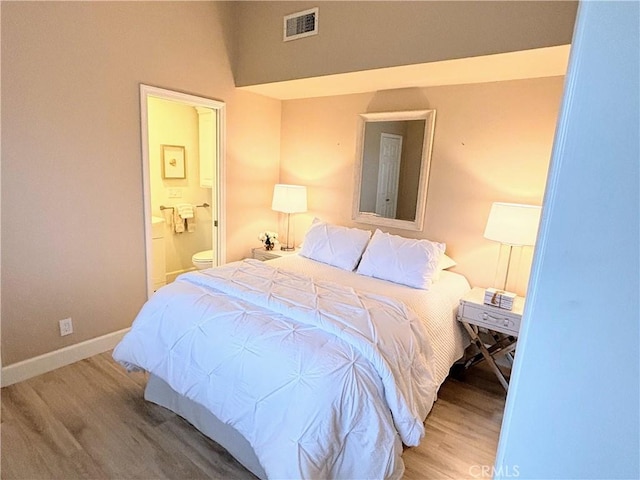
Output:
x=429 y=116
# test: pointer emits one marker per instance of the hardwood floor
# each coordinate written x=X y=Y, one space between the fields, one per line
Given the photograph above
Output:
x=90 y=420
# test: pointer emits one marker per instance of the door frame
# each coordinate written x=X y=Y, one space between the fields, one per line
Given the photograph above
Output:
x=219 y=208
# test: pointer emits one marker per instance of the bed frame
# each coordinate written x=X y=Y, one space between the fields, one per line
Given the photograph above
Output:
x=159 y=392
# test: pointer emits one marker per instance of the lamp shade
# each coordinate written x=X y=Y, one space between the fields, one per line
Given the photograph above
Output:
x=513 y=224
x=289 y=198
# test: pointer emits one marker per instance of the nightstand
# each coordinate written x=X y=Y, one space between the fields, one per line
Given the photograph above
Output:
x=262 y=254
x=493 y=330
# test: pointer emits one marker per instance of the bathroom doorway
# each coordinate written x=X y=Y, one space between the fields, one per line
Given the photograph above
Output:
x=183 y=171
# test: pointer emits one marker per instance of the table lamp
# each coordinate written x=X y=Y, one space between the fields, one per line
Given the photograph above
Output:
x=513 y=225
x=289 y=199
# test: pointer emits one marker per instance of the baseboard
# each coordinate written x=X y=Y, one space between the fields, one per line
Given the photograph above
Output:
x=32 y=367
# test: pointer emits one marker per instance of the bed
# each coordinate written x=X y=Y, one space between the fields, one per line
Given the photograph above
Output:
x=298 y=368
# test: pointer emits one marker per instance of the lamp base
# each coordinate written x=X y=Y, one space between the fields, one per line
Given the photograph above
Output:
x=287 y=249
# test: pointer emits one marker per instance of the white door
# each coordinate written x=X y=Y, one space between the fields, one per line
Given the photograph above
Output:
x=388 y=175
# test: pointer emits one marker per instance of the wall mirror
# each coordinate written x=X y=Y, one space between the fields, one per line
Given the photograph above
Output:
x=392 y=168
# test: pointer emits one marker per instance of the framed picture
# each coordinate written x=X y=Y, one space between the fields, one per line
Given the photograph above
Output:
x=173 y=165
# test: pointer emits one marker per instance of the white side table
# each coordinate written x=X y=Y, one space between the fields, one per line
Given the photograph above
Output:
x=262 y=254
x=502 y=327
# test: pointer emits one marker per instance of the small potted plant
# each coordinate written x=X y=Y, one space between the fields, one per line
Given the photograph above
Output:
x=269 y=239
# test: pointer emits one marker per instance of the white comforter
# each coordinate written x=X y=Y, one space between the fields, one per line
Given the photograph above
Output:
x=323 y=381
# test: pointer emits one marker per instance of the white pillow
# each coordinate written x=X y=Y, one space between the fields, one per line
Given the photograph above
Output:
x=446 y=262
x=339 y=246
x=401 y=260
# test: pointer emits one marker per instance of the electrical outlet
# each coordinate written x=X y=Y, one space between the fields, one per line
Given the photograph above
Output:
x=66 y=327
x=175 y=193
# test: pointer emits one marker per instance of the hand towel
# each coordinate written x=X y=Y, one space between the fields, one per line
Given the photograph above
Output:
x=185 y=210
x=178 y=222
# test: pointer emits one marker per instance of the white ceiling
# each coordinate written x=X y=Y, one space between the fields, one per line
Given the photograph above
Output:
x=537 y=63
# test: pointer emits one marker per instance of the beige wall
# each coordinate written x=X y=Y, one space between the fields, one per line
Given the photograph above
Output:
x=359 y=35
x=492 y=143
x=72 y=222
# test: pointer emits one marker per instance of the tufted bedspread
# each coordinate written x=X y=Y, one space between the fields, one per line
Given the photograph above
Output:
x=323 y=381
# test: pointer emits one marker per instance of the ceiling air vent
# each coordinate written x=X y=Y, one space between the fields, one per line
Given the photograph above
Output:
x=301 y=24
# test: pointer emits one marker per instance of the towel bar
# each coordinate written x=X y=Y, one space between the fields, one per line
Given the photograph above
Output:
x=204 y=205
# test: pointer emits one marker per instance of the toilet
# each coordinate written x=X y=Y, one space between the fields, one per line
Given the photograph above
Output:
x=202 y=260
